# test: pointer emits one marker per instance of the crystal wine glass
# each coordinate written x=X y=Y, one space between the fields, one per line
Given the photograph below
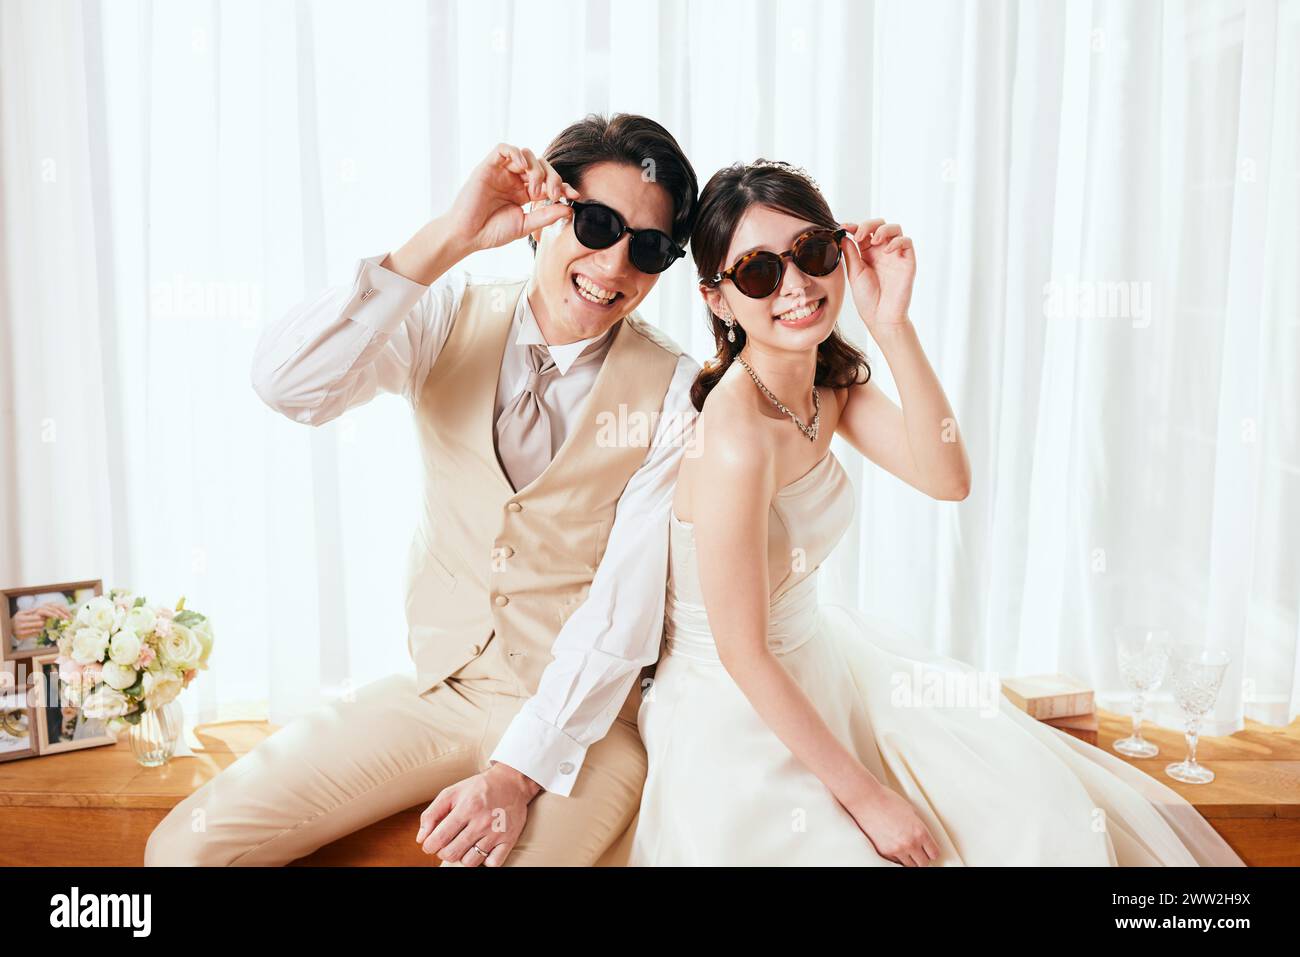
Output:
x=1196 y=675
x=1143 y=658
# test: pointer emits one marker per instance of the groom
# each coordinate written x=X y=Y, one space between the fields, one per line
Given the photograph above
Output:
x=536 y=574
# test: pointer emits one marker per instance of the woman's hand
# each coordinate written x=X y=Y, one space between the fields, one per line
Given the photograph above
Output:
x=894 y=828
x=488 y=211
x=881 y=266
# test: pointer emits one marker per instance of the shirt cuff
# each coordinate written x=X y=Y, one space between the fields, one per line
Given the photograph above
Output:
x=381 y=299
x=542 y=751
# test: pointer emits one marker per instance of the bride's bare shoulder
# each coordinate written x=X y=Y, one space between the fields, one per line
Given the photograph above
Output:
x=732 y=439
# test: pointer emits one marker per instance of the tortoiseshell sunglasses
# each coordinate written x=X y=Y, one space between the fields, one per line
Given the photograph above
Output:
x=758 y=274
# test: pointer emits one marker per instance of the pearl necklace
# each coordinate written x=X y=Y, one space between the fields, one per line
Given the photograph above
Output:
x=808 y=430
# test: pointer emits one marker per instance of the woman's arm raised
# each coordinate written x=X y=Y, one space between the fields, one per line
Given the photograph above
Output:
x=919 y=443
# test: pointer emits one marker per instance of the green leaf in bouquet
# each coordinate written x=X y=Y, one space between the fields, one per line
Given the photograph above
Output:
x=137 y=689
x=188 y=618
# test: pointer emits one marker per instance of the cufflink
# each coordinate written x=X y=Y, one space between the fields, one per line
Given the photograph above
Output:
x=566 y=767
x=368 y=293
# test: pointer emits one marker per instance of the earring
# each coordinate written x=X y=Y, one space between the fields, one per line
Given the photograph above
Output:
x=731 y=326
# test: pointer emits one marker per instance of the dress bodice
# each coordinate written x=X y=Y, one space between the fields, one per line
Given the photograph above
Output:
x=806 y=521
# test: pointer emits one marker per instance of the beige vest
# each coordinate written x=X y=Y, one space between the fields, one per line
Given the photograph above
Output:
x=486 y=560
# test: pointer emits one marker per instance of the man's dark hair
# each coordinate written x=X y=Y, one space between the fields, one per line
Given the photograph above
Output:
x=635 y=141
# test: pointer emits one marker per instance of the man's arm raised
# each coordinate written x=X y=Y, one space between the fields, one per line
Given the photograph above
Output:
x=342 y=347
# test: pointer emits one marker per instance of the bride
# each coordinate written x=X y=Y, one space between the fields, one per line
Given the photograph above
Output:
x=780 y=731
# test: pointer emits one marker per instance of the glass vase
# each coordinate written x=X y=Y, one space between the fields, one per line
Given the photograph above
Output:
x=154 y=737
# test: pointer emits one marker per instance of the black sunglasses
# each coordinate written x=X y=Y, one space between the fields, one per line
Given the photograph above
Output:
x=758 y=274
x=599 y=227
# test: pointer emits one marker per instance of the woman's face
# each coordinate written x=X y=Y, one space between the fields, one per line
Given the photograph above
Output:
x=801 y=313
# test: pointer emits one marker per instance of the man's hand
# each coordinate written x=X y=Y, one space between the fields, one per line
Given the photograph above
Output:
x=486 y=811
x=488 y=210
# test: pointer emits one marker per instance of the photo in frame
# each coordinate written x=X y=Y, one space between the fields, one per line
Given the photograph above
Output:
x=61 y=725
x=17 y=714
x=28 y=614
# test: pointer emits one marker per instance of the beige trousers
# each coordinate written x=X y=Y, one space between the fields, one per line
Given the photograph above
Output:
x=348 y=764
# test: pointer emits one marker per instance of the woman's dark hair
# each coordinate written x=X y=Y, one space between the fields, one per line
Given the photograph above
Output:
x=729 y=193
x=635 y=141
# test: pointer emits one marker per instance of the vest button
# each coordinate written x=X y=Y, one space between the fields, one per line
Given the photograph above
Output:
x=515 y=507
x=475 y=649
x=506 y=551
x=501 y=600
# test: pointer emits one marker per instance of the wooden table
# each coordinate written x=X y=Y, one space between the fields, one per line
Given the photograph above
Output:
x=49 y=804
x=1254 y=799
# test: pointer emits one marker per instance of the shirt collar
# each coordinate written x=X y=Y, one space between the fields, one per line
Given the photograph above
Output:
x=531 y=334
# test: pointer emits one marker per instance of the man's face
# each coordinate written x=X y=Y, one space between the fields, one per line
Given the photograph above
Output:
x=563 y=312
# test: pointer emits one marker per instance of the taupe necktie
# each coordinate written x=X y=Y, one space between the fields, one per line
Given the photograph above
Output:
x=524 y=428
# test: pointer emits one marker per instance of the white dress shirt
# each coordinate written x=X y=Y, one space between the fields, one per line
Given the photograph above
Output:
x=314 y=363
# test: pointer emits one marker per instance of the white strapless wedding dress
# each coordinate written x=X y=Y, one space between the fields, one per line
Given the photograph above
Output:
x=993 y=785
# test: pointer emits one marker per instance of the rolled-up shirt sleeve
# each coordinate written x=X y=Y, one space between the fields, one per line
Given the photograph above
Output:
x=604 y=643
x=343 y=346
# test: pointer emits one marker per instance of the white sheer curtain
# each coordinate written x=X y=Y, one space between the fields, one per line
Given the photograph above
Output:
x=1103 y=198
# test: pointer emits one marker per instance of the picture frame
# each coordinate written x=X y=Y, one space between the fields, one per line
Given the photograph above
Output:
x=17 y=642
x=60 y=725
x=17 y=715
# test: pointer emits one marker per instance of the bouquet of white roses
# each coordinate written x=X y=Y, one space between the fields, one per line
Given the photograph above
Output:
x=119 y=656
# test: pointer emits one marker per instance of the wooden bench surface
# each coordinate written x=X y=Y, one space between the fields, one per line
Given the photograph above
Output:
x=48 y=804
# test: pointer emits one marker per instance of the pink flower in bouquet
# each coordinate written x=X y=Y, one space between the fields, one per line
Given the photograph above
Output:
x=76 y=678
x=189 y=676
x=163 y=627
x=164 y=612
x=147 y=655
x=69 y=668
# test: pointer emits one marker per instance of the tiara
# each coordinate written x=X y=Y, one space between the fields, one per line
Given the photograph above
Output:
x=787 y=167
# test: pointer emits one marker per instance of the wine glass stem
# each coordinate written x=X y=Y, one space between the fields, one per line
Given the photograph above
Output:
x=1137 y=716
x=1193 y=729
